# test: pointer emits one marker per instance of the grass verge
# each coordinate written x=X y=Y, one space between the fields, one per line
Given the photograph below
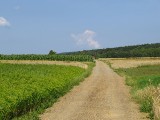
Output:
x=144 y=82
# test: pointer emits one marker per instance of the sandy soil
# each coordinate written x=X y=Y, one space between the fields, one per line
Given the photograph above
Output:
x=102 y=96
x=79 y=64
x=127 y=63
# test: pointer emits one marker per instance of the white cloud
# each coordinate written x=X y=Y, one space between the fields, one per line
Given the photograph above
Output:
x=86 y=38
x=4 y=22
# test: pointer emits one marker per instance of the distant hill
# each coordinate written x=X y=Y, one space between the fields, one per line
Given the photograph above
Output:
x=145 y=50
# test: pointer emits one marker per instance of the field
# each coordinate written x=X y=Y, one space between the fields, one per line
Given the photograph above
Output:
x=56 y=57
x=131 y=62
x=143 y=75
x=66 y=63
x=29 y=87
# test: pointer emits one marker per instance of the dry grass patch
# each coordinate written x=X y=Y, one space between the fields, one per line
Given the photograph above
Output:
x=78 y=64
x=131 y=62
x=156 y=104
x=151 y=96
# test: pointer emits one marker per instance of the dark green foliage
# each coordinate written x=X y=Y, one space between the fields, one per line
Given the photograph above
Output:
x=51 y=52
x=146 y=106
x=146 y=50
x=47 y=57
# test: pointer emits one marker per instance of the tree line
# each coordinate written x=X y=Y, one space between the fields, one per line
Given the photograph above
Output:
x=145 y=50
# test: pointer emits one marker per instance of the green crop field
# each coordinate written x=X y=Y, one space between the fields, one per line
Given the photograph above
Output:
x=140 y=79
x=47 y=57
x=24 y=87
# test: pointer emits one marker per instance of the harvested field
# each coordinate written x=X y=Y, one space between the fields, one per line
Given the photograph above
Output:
x=128 y=63
x=78 y=64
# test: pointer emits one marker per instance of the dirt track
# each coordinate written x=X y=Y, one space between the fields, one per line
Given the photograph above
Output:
x=102 y=96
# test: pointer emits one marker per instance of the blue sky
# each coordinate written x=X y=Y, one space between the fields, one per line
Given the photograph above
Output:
x=37 y=26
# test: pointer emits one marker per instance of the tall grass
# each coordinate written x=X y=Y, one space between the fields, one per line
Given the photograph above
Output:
x=145 y=81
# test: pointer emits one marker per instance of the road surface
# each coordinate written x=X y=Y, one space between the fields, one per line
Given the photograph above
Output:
x=102 y=96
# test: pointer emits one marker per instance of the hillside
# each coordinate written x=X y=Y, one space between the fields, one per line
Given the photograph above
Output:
x=145 y=50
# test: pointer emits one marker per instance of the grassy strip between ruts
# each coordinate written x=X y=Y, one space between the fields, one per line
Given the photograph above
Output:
x=26 y=90
x=144 y=82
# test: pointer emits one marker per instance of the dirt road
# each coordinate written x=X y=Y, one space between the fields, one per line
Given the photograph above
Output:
x=102 y=96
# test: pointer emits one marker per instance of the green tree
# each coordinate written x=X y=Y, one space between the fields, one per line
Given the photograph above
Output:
x=51 y=52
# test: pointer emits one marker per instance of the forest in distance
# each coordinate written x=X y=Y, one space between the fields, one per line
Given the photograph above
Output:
x=144 y=50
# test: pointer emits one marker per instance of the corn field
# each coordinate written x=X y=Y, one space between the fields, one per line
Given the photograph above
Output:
x=48 y=57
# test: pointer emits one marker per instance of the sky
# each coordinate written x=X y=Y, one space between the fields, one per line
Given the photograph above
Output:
x=38 y=26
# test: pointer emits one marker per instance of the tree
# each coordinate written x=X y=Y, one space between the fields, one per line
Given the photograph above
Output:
x=51 y=52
